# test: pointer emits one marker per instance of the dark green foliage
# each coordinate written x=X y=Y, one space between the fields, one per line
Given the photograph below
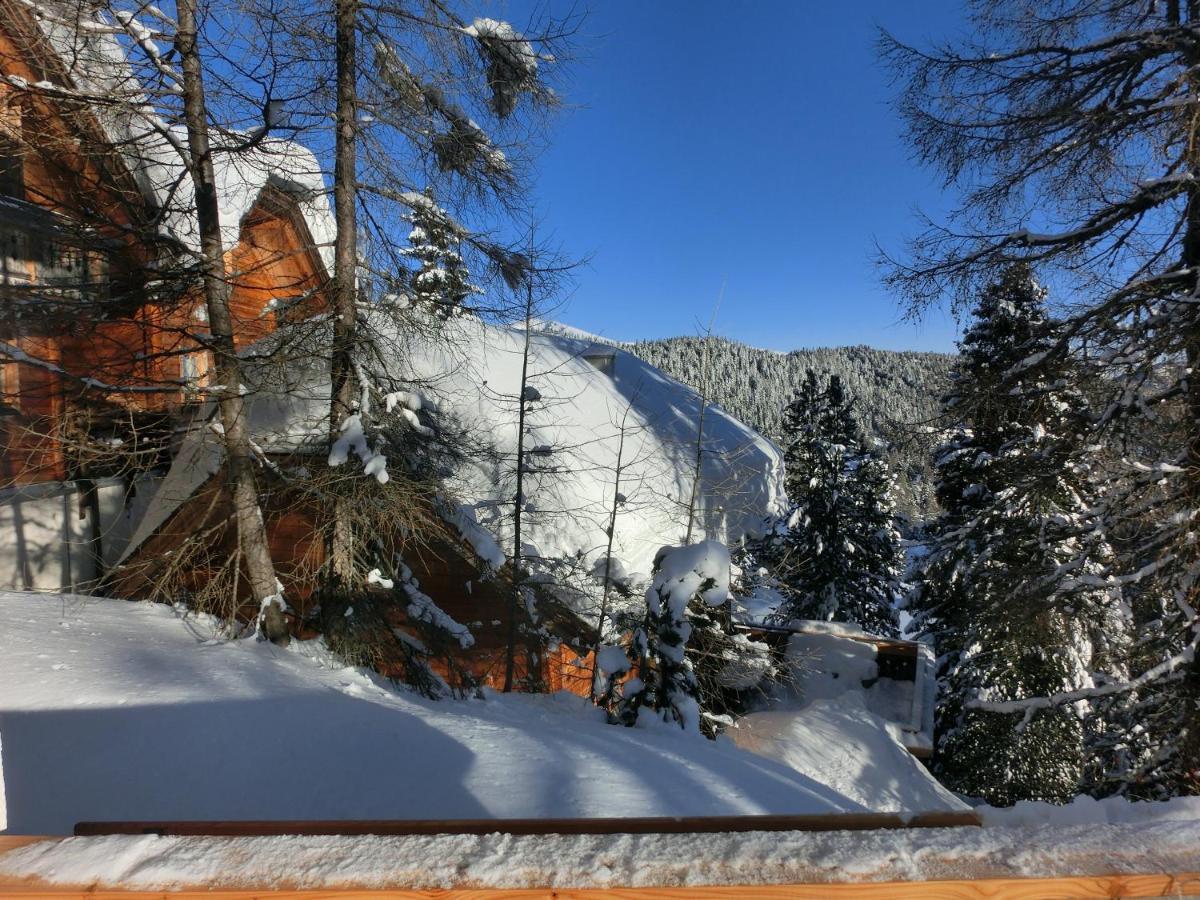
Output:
x=895 y=395
x=1070 y=132
x=1011 y=589
x=1000 y=757
x=838 y=557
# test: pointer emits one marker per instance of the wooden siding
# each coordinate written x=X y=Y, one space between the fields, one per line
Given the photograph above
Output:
x=444 y=564
x=75 y=178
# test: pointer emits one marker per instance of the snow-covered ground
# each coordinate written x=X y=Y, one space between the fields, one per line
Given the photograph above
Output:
x=111 y=710
x=826 y=724
x=116 y=710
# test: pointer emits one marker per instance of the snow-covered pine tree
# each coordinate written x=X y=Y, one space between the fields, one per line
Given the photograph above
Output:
x=839 y=557
x=1011 y=589
x=694 y=575
x=441 y=284
x=1074 y=139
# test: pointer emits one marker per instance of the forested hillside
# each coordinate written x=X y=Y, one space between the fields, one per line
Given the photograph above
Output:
x=896 y=393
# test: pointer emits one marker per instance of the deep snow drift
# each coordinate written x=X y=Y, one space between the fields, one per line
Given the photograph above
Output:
x=826 y=724
x=470 y=379
x=113 y=710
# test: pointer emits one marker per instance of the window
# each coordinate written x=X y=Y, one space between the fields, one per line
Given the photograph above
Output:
x=14 y=254
x=12 y=166
x=604 y=361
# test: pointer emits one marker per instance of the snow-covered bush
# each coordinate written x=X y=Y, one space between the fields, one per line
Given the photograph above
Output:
x=688 y=663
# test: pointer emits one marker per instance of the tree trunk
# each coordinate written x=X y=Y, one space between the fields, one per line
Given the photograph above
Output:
x=606 y=583
x=252 y=532
x=697 y=471
x=513 y=606
x=345 y=264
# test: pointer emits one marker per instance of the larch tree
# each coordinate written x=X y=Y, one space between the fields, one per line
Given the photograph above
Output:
x=1071 y=130
x=251 y=527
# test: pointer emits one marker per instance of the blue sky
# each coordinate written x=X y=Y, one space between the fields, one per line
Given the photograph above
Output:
x=745 y=142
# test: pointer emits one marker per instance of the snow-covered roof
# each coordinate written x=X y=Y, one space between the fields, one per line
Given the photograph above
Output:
x=93 y=58
x=471 y=375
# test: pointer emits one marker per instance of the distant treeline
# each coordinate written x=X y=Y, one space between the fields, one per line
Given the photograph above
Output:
x=896 y=393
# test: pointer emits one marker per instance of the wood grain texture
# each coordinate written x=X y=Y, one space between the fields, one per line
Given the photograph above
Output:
x=1080 y=888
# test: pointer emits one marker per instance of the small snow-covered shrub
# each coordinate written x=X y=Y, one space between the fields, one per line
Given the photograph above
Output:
x=690 y=667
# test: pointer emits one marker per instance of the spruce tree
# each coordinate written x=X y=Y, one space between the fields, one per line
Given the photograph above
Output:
x=441 y=283
x=1011 y=589
x=839 y=556
x=1073 y=139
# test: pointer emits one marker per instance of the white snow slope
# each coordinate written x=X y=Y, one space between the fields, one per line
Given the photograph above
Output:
x=112 y=710
x=826 y=725
x=472 y=379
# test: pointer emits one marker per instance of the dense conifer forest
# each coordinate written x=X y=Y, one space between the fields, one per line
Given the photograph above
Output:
x=896 y=394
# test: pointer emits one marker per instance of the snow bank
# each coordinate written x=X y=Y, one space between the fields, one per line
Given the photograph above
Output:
x=499 y=861
x=1089 y=811
x=112 y=710
x=837 y=720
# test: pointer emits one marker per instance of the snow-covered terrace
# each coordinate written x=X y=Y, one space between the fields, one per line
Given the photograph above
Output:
x=1147 y=860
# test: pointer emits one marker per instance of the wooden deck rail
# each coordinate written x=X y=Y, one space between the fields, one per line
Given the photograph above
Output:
x=651 y=825
x=1083 y=887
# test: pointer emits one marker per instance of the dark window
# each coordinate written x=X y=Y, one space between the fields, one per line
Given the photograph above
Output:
x=12 y=169
x=12 y=164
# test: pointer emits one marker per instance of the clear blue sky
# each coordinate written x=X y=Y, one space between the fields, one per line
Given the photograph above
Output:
x=751 y=142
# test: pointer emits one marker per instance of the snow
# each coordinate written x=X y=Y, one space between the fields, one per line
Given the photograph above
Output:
x=683 y=572
x=611 y=660
x=1088 y=810
x=500 y=861
x=471 y=376
x=112 y=710
x=353 y=438
x=827 y=724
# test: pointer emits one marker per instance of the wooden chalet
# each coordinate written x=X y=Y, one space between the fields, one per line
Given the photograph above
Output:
x=101 y=321
x=100 y=348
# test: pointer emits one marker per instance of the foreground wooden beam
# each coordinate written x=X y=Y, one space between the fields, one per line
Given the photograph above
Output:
x=650 y=825
x=1079 y=888
x=240 y=879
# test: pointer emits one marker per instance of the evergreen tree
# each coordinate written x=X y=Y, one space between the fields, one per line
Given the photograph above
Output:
x=1011 y=589
x=690 y=584
x=839 y=557
x=1074 y=138
x=441 y=283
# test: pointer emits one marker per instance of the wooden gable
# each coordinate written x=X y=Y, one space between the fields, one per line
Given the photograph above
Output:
x=78 y=236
